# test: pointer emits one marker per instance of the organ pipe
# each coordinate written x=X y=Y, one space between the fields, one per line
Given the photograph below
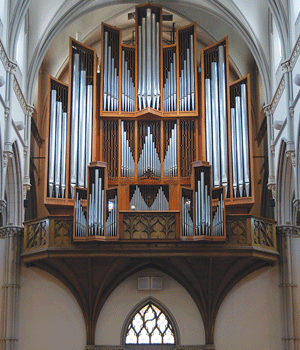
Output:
x=215 y=125
x=223 y=115
x=74 y=124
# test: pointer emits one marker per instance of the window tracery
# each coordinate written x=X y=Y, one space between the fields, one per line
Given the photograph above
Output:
x=150 y=325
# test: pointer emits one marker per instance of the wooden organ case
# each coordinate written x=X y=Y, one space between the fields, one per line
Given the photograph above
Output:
x=149 y=164
x=149 y=137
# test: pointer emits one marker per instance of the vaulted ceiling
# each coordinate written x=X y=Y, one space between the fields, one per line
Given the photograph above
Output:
x=245 y=22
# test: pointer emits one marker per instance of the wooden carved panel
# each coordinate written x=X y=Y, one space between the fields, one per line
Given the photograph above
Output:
x=149 y=226
x=36 y=235
x=236 y=229
x=62 y=232
x=264 y=234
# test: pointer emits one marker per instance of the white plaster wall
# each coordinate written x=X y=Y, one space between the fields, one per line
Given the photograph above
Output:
x=126 y=296
x=49 y=317
x=249 y=318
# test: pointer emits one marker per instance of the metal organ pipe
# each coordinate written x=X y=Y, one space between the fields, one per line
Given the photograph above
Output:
x=244 y=111
x=223 y=116
x=149 y=63
x=52 y=142
x=82 y=130
x=143 y=72
x=239 y=145
x=89 y=125
x=59 y=116
x=105 y=77
x=208 y=121
x=74 y=123
x=215 y=125
x=63 y=154
x=192 y=74
x=234 y=152
x=139 y=67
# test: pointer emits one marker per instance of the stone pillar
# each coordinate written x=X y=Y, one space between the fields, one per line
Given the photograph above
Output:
x=289 y=330
x=9 y=314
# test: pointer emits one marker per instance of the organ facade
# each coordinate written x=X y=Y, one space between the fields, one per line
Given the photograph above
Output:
x=149 y=158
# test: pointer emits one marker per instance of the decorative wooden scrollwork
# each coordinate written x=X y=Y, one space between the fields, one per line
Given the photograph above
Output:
x=149 y=226
x=36 y=234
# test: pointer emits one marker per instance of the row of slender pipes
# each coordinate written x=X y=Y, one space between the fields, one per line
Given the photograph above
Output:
x=57 y=148
x=149 y=61
x=111 y=222
x=170 y=88
x=128 y=89
x=240 y=145
x=81 y=126
x=202 y=207
x=110 y=78
x=96 y=207
x=80 y=218
x=218 y=218
x=137 y=201
x=216 y=121
x=127 y=161
x=170 y=161
x=186 y=220
x=149 y=162
x=187 y=80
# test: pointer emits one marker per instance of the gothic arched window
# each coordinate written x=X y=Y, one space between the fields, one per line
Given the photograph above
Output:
x=150 y=325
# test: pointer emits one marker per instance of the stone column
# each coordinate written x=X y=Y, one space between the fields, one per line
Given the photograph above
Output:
x=9 y=314
x=289 y=330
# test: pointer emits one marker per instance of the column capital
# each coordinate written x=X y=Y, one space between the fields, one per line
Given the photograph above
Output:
x=11 y=230
x=288 y=230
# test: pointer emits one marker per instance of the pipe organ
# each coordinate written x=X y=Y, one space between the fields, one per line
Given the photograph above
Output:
x=149 y=133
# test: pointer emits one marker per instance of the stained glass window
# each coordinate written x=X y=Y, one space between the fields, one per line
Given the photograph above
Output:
x=150 y=326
